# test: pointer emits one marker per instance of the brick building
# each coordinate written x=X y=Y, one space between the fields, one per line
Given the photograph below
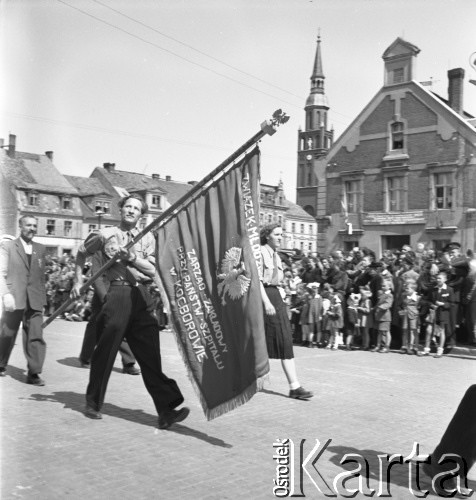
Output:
x=404 y=171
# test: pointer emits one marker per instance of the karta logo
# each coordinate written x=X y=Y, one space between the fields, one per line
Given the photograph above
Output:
x=297 y=469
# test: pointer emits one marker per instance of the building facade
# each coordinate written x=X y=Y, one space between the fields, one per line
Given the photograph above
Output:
x=31 y=185
x=404 y=170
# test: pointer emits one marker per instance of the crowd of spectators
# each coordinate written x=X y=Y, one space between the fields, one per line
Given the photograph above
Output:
x=352 y=300
x=416 y=300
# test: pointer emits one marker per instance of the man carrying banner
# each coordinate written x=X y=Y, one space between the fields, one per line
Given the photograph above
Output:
x=278 y=333
x=128 y=311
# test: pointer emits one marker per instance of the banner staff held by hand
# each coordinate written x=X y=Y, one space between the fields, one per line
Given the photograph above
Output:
x=268 y=127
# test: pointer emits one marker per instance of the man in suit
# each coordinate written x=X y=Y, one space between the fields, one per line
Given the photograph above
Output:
x=128 y=311
x=22 y=288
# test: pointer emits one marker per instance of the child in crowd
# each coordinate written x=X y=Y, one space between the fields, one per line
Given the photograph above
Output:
x=311 y=316
x=442 y=300
x=326 y=303
x=408 y=311
x=365 y=316
x=383 y=318
x=352 y=319
x=335 y=320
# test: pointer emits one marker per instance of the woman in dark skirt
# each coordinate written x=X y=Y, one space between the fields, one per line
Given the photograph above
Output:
x=278 y=332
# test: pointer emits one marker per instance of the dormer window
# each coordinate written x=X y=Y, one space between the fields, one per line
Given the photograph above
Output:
x=102 y=206
x=156 y=200
x=397 y=136
x=33 y=198
x=65 y=202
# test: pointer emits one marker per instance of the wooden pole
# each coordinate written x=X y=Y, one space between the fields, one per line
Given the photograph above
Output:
x=267 y=127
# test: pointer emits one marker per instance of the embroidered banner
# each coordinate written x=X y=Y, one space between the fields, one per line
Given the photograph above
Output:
x=208 y=257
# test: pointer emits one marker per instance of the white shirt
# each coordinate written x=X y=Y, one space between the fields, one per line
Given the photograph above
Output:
x=27 y=246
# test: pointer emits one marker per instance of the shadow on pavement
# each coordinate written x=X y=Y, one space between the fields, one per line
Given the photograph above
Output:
x=16 y=373
x=273 y=393
x=397 y=474
x=186 y=431
x=76 y=402
x=74 y=362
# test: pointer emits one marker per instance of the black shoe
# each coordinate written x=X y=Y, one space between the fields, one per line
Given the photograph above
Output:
x=34 y=379
x=167 y=418
x=3 y=372
x=84 y=364
x=300 y=393
x=90 y=412
x=446 y=488
x=131 y=370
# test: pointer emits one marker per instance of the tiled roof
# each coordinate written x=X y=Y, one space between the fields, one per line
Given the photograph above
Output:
x=87 y=186
x=297 y=211
x=133 y=182
x=32 y=171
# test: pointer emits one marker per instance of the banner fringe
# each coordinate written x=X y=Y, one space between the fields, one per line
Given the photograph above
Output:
x=231 y=404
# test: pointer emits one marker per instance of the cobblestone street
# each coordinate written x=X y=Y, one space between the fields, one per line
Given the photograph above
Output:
x=366 y=403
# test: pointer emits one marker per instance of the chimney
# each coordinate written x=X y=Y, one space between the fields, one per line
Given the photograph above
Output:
x=2 y=142
x=155 y=176
x=49 y=154
x=110 y=167
x=168 y=178
x=455 y=89
x=12 y=141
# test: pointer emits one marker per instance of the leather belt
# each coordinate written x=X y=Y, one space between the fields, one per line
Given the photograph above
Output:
x=121 y=283
x=268 y=285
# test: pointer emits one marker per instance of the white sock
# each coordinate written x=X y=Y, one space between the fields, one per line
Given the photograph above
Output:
x=294 y=385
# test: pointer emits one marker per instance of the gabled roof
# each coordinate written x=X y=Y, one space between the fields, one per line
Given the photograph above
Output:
x=298 y=212
x=439 y=106
x=87 y=186
x=400 y=47
x=134 y=182
x=35 y=172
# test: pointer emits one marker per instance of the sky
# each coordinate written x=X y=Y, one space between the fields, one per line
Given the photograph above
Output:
x=175 y=87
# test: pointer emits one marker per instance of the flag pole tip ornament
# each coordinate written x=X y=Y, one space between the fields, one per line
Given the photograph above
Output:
x=270 y=126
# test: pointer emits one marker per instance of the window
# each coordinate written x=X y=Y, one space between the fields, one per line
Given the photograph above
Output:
x=50 y=227
x=395 y=194
x=398 y=74
x=103 y=206
x=65 y=202
x=352 y=193
x=156 y=200
x=301 y=245
x=443 y=190
x=397 y=135
x=280 y=220
x=261 y=196
x=293 y=227
x=302 y=228
x=270 y=218
x=91 y=228
x=68 y=227
x=33 y=199
x=310 y=247
x=310 y=229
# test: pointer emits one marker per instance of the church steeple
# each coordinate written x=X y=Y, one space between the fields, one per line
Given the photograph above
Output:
x=316 y=138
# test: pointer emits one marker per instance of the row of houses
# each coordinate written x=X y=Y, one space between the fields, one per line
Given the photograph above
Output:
x=69 y=207
x=404 y=170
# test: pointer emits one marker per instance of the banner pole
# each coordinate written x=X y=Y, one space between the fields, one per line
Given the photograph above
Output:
x=268 y=127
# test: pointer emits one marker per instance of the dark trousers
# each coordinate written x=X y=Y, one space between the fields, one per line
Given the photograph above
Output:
x=460 y=436
x=129 y=311
x=34 y=346
x=90 y=338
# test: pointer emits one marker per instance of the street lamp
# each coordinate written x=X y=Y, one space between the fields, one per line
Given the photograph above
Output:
x=99 y=214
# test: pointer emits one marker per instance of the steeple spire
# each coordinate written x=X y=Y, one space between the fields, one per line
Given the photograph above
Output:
x=318 y=72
